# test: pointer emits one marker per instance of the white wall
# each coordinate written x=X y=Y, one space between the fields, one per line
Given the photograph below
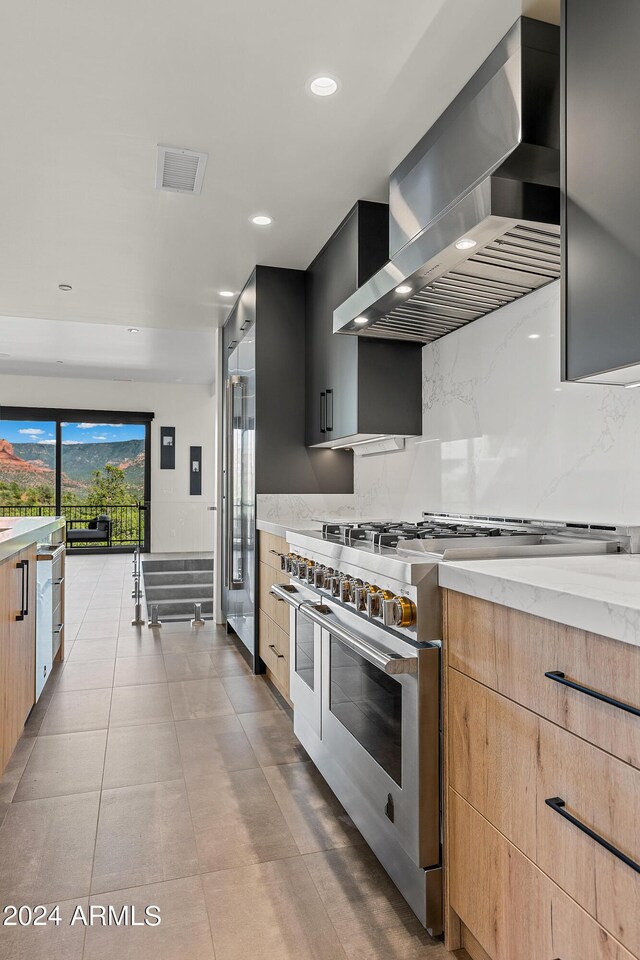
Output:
x=178 y=522
x=503 y=436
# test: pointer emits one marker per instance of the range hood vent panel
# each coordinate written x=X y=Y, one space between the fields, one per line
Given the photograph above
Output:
x=473 y=176
x=514 y=264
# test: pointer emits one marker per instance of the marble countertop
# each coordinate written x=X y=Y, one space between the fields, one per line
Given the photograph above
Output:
x=16 y=533
x=600 y=594
x=279 y=528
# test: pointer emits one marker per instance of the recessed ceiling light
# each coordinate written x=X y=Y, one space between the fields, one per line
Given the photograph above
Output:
x=403 y=288
x=261 y=220
x=133 y=330
x=361 y=320
x=466 y=243
x=534 y=336
x=65 y=287
x=323 y=86
x=227 y=293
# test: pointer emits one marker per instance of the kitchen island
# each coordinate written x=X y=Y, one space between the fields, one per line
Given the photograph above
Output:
x=19 y=537
x=542 y=757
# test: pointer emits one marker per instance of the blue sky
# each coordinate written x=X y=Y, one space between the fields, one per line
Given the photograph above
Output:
x=39 y=431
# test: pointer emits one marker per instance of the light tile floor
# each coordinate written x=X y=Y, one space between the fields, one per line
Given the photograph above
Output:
x=156 y=769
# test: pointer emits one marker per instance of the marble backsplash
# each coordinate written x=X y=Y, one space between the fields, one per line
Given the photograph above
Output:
x=501 y=435
x=300 y=508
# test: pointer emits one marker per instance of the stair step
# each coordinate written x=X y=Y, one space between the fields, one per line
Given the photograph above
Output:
x=184 y=591
x=184 y=607
x=160 y=566
x=176 y=577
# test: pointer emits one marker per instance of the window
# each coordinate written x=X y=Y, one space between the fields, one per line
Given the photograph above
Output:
x=81 y=464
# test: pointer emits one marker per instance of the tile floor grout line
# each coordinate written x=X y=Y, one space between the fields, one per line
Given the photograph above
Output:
x=104 y=764
x=95 y=841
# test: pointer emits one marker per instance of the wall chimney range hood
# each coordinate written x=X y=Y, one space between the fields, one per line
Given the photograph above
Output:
x=474 y=210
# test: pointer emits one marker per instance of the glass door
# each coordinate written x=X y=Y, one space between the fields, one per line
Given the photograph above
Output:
x=84 y=465
x=103 y=468
x=27 y=468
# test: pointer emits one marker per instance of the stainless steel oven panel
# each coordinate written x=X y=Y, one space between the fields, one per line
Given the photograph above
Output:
x=422 y=590
x=305 y=668
x=410 y=807
x=422 y=889
x=305 y=652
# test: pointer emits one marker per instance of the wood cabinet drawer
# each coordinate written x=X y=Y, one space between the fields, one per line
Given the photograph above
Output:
x=273 y=647
x=17 y=647
x=278 y=610
x=512 y=652
x=507 y=762
x=512 y=909
x=269 y=549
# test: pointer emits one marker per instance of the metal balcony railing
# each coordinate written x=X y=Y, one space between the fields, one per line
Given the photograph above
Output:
x=127 y=520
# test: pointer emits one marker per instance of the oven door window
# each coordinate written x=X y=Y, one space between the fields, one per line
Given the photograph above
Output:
x=305 y=649
x=368 y=703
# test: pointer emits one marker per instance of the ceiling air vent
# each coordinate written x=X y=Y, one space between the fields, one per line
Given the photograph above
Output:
x=179 y=170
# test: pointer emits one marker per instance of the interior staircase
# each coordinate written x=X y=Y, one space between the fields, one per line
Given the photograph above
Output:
x=175 y=585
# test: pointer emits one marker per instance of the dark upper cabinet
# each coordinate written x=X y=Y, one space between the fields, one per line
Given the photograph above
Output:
x=601 y=139
x=270 y=310
x=355 y=387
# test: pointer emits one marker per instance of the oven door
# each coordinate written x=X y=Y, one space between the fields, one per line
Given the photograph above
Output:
x=305 y=673
x=381 y=719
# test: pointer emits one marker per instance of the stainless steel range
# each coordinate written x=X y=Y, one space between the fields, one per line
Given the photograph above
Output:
x=365 y=633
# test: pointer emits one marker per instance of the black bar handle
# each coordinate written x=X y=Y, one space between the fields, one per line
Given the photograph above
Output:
x=20 y=566
x=323 y=412
x=558 y=805
x=26 y=589
x=329 y=418
x=559 y=677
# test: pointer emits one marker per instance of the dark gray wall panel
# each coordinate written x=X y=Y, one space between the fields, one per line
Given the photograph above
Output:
x=283 y=463
x=601 y=292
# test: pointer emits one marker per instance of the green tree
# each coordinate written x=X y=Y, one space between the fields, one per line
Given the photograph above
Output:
x=110 y=487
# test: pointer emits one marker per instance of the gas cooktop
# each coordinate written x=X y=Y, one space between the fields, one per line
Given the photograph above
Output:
x=404 y=547
x=389 y=533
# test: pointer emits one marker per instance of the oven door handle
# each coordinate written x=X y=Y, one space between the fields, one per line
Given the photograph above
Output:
x=389 y=663
x=287 y=592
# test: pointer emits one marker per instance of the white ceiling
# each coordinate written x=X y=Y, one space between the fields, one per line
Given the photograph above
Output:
x=102 y=351
x=89 y=89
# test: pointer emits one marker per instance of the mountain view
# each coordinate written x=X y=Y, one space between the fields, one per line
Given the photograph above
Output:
x=29 y=465
x=80 y=460
x=101 y=469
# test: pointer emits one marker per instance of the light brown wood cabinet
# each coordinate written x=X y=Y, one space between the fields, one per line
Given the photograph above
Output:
x=273 y=615
x=530 y=918
x=514 y=740
x=511 y=652
x=17 y=647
